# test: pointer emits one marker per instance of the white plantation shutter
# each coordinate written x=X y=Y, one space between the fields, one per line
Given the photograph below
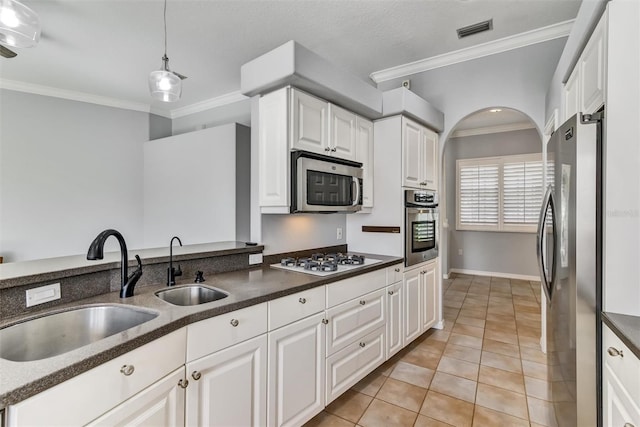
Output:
x=500 y=193
x=479 y=195
x=522 y=192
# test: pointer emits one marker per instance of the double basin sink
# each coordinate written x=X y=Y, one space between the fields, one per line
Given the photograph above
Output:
x=60 y=332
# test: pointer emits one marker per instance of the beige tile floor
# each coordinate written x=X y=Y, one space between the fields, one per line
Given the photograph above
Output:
x=484 y=369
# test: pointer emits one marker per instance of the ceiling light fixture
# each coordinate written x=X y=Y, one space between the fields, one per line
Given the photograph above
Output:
x=495 y=110
x=19 y=25
x=164 y=84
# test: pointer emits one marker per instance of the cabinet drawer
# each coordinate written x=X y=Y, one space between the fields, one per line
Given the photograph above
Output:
x=211 y=335
x=354 y=319
x=347 y=289
x=351 y=364
x=101 y=388
x=626 y=367
x=285 y=310
x=394 y=273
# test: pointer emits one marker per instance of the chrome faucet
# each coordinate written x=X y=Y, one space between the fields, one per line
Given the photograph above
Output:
x=96 y=251
x=172 y=273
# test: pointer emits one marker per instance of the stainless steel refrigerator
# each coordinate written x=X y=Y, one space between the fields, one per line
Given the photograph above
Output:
x=570 y=260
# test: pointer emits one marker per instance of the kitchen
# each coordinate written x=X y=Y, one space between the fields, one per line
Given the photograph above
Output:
x=494 y=83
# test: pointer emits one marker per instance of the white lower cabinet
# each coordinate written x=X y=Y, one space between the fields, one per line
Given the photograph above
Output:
x=620 y=383
x=162 y=404
x=349 y=365
x=229 y=387
x=395 y=337
x=296 y=372
x=421 y=300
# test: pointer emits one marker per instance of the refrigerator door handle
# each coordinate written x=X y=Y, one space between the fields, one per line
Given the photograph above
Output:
x=547 y=282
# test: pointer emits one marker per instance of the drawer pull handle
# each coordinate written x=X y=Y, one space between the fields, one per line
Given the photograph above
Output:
x=302 y=300
x=614 y=352
x=390 y=292
x=362 y=302
x=628 y=425
x=362 y=344
x=397 y=270
x=325 y=321
x=196 y=375
x=127 y=369
x=183 y=383
x=234 y=322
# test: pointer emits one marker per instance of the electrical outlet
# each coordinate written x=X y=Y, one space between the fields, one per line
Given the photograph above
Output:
x=43 y=294
x=339 y=233
x=459 y=251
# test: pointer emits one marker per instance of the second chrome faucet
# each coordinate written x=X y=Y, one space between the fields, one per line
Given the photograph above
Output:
x=172 y=273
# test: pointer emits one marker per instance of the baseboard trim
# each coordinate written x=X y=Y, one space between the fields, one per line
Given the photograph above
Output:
x=439 y=325
x=494 y=274
x=445 y=276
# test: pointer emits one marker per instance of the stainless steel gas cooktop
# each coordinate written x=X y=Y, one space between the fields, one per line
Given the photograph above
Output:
x=325 y=264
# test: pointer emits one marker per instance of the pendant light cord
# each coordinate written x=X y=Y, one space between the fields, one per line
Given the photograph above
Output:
x=165 y=28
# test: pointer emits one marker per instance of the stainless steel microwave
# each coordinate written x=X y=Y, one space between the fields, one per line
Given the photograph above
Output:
x=323 y=184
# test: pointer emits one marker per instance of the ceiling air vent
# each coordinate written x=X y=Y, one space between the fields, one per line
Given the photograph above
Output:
x=475 y=28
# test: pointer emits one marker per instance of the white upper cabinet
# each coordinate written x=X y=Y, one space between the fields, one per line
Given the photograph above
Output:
x=309 y=123
x=419 y=156
x=571 y=95
x=342 y=133
x=592 y=70
x=364 y=155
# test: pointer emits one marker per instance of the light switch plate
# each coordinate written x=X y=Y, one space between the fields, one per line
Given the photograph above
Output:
x=43 y=294
x=255 y=259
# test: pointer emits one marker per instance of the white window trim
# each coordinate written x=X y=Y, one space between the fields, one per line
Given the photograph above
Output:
x=500 y=161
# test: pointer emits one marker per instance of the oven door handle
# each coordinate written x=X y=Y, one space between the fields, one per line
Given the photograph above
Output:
x=355 y=181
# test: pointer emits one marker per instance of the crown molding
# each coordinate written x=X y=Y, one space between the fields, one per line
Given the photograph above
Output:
x=492 y=129
x=72 y=95
x=539 y=35
x=208 y=104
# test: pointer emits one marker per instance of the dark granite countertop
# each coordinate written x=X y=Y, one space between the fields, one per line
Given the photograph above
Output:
x=626 y=327
x=20 y=380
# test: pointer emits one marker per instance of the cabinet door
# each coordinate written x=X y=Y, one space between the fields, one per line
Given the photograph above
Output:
x=342 y=134
x=296 y=372
x=592 y=64
x=429 y=296
x=364 y=155
x=618 y=406
x=395 y=337
x=571 y=98
x=412 y=304
x=309 y=123
x=412 y=154
x=231 y=386
x=430 y=144
x=162 y=404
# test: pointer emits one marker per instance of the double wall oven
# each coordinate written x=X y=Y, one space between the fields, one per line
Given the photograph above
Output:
x=421 y=226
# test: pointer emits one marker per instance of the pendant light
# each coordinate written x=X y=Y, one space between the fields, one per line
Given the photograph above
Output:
x=19 y=25
x=164 y=84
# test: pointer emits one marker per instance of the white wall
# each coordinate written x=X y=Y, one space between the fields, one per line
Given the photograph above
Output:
x=238 y=112
x=68 y=170
x=512 y=253
x=190 y=187
x=515 y=79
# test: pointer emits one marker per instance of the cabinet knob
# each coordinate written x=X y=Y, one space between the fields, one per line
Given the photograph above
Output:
x=362 y=302
x=334 y=149
x=362 y=344
x=390 y=292
x=234 y=322
x=397 y=270
x=127 y=369
x=614 y=352
x=196 y=375
x=183 y=383
x=325 y=321
x=327 y=149
x=302 y=300
x=628 y=425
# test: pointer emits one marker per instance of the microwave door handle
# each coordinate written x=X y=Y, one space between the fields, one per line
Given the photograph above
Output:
x=356 y=182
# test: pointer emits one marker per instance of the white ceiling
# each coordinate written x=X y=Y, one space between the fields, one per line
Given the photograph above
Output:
x=486 y=121
x=108 y=47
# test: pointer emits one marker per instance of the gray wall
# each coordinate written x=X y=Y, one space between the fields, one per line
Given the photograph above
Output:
x=239 y=112
x=498 y=252
x=68 y=170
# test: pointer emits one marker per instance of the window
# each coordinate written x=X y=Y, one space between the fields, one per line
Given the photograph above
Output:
x=499 y=193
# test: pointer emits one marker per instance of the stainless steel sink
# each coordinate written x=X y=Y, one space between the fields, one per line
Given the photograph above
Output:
x=191 y=295
x=60 y=332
